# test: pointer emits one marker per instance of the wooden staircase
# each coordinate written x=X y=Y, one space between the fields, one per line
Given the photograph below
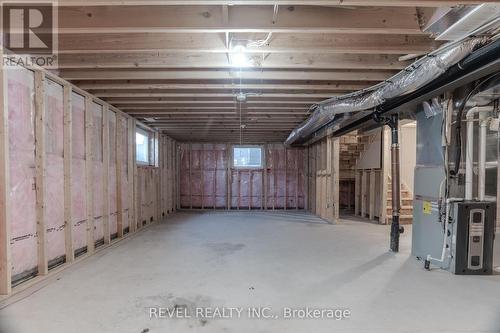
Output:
x=351 y=147
x=406 y=213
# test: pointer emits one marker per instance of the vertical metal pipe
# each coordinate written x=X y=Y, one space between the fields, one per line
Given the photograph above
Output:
x=396 y=183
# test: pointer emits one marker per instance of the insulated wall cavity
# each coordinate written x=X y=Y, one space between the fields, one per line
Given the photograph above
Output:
x=22 y=195
x=54 y=176
x=78 y=180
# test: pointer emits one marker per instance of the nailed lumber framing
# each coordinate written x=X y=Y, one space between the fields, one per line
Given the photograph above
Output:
x=68 y=173
x=364 y=195
x=5 y=252
x=265 y=181
x=336 y=179
x=105 y=174
x=119 y=160
x=40 y=171
x=131 y=174
x=371 y=206
x=357 y=190
x=40 y=77
x=89 y=166
x=384 y=175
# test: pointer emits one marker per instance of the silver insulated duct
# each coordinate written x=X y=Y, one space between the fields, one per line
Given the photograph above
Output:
x=415 y=76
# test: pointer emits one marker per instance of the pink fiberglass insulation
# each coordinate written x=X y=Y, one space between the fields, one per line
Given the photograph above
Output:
x=22 y=170
x=184 y=186
x=203 y=173
x=78 y=190
x=203 y=176
x=97 y=170
x=54 y=179
x=221 y=176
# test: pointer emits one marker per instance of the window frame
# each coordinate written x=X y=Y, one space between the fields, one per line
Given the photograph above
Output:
x=262 y=156
x=152 y=153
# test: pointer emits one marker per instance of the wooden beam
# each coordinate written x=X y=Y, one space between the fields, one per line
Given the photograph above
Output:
x=261 y=74
x=284 y=43
x=165 y=60
x=5 y=249
x=332 y=3
x=68 y=173
x=89 y=166
x=165 y=96
x=40 y=171
x=203 y=19
x=207 y=87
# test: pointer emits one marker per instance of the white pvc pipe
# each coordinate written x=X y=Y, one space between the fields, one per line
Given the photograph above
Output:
x=445 y=235
x=469 y=154
x=482 y=156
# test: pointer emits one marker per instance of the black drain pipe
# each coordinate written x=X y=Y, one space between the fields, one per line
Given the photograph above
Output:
x=396 y=229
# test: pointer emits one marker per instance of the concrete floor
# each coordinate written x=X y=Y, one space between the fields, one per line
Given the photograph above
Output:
x=258 y=259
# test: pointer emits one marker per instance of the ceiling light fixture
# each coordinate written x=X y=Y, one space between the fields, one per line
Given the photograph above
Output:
x=238 y=57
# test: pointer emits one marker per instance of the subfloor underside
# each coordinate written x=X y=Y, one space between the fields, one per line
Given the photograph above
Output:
x=279 y=261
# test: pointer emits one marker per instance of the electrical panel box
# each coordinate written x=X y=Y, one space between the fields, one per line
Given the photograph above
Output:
x=472 y=236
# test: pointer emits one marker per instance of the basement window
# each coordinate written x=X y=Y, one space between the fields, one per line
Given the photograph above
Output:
x=247 y=157
x=146 y=147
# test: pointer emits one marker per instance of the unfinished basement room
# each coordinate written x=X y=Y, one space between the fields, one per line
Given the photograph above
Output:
x=253 y=166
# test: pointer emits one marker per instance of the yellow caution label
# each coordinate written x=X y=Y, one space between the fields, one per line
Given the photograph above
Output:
x=427 y=207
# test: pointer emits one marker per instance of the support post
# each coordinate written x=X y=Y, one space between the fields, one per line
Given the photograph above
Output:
x=5 y=264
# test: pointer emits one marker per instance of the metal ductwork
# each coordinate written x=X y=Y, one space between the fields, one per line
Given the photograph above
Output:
x=415 y=76
x=455 y=23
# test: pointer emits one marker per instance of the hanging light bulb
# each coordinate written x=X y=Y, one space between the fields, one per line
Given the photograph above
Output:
x=238 y=57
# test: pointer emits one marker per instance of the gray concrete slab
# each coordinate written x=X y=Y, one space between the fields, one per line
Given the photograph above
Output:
x=258 y=259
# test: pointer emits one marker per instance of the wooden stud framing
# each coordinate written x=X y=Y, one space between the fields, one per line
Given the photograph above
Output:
x=265 y=181
x=285 y=199
x=89 y=165
x=214 y=192
x=202 y=180
x=40 y=171
x=5 y=252
x=357 y=190
x=68 y=173
x=105 y=174
x=131 y=174
x=371 y=207
x=40 y=77
x=384 y=175
x=336 y=179
x=363 y=193
x=190 y=176
x=228 y=177
x=119 y=161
